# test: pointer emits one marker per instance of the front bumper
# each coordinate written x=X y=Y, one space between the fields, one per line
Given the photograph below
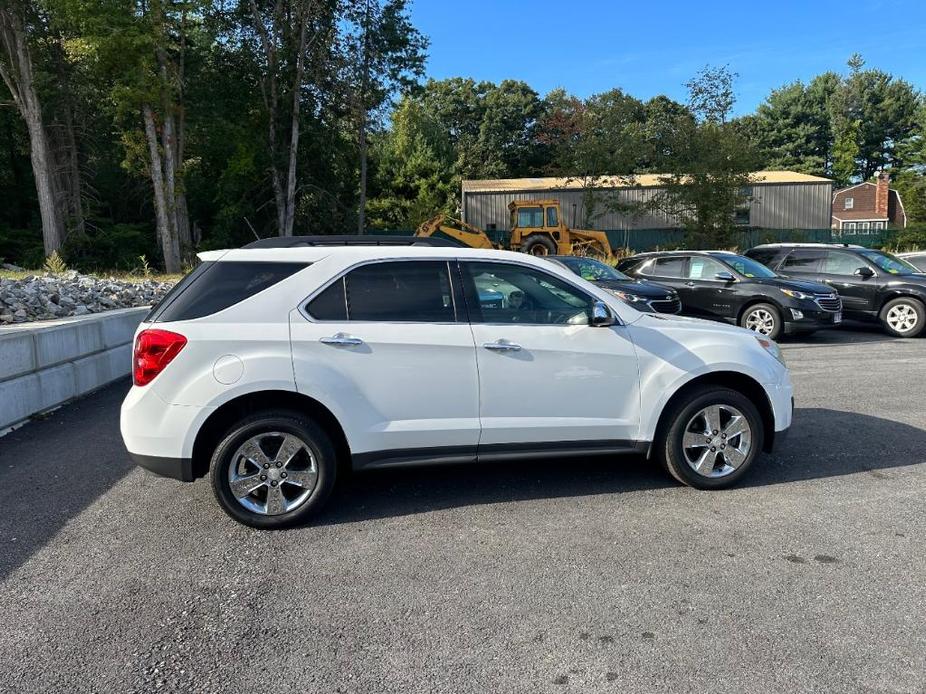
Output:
x=811 y=319
x=778 y=437
x=177 y=468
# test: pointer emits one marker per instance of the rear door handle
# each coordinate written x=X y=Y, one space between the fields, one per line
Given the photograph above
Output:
x=341 y=339
x=502 y=346
x=689 y=284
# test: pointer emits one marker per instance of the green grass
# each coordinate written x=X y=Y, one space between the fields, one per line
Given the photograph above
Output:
x=119 y=275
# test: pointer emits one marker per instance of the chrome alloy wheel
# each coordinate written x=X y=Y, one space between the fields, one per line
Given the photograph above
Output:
x=717 y=440
x=902 y=318
x=760 y=321
x=272 y=472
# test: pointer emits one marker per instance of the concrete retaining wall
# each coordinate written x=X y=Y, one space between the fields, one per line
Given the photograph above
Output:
x=43 y=365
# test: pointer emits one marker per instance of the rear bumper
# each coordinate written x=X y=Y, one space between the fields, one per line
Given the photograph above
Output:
x=177 y=468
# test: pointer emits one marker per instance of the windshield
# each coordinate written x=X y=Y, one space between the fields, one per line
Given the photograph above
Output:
x=593 y=270
x=889 y=263
x=748 y=267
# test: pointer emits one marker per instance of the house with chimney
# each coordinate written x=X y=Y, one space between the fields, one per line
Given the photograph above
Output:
x=868 y=207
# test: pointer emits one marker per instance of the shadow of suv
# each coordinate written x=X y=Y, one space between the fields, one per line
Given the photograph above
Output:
x=725 y=286
x=874 y=285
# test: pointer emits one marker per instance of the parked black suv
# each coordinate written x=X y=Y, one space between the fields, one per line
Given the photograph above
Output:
x=729 y=287
x=642 y=295
x=874 y=285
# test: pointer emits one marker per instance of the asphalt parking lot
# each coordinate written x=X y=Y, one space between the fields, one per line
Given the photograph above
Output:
x=579 y=575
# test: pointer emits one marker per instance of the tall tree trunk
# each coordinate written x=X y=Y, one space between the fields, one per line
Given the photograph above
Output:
x=270 y=92
x=294 y=131
x=364 y=86
x=166 y=234
x=17 y=73
x=362 y=204
x=75 y=184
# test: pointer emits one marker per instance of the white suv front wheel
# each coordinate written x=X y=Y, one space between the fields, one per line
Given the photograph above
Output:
x=273 y=470
x=711 y=438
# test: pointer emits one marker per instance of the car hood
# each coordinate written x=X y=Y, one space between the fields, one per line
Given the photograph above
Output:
x=650 y=290
x=797 y=285
x=667 y=320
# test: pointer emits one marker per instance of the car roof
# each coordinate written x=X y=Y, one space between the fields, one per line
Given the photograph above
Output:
x=656 y=254
x=357 y=253
x=808 y=245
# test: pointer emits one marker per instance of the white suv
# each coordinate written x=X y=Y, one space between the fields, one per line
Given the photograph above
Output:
x=275 y=367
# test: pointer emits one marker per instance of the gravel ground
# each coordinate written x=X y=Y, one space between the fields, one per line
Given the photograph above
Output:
x=557 y=576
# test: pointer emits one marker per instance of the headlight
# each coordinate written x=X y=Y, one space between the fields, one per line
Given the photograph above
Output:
x=772 y=348
x=626 y=296
x=795 y=294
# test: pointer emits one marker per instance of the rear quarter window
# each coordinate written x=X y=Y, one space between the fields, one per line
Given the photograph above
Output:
x=213 y=287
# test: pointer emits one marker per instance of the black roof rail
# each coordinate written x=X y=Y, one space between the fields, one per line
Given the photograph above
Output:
x=349 y=240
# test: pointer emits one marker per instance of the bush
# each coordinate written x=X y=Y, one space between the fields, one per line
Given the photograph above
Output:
x=913 y=238
x=21 y=247
x=110 y=247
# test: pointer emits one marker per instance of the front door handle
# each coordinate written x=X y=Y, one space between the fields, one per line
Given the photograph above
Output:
x=341 y=339
x=502 y=346
x=689 y=284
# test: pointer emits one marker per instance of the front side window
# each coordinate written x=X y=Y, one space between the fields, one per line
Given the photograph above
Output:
x=510 y=293
x=552 y=217
x=837 y=263
x=530 y=217
x=701 y=268
x=417 y=291
x=803 y=260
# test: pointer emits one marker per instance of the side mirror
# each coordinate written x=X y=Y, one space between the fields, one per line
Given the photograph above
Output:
x=601 y=315
x=864 y=272
x=724 y=276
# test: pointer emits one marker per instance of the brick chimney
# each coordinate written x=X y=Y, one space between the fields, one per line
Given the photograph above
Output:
x=881 y=194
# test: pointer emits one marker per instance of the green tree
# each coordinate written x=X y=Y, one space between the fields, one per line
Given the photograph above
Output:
x=793 y=126
x=710 y=177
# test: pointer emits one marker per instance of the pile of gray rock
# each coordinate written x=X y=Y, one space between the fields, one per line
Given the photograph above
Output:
x=41 y=297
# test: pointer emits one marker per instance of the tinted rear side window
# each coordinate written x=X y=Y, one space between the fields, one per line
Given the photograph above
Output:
x=766 y=256
x=415 y=291
x=221 y=285
x=667 y=267
x=802 y=261
x=330 y=304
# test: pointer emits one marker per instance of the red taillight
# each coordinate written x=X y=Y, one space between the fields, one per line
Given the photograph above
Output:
x=154 y=350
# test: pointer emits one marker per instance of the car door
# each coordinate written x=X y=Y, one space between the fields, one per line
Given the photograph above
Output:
x=388 y=342
x=546 y=375
x=704 y=294
x=859 y=292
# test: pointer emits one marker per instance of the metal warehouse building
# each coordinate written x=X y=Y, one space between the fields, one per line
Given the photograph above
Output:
x=780 y=200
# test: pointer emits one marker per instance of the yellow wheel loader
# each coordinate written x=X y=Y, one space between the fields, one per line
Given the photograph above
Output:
x=537 y=227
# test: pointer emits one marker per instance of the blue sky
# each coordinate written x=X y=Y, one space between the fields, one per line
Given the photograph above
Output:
x=650 y=48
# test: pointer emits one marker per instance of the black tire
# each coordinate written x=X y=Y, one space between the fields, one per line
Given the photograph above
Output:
x=671 y=454
x=539 y=244
x=912 y=308
x=316 y=442
x=757 y=310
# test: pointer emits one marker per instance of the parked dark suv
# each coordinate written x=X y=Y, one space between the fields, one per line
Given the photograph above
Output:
x=730 y=287
x=642 y=295
x=874 y=285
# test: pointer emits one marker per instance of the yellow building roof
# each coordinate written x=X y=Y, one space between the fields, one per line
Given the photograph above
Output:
x=640 y=180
